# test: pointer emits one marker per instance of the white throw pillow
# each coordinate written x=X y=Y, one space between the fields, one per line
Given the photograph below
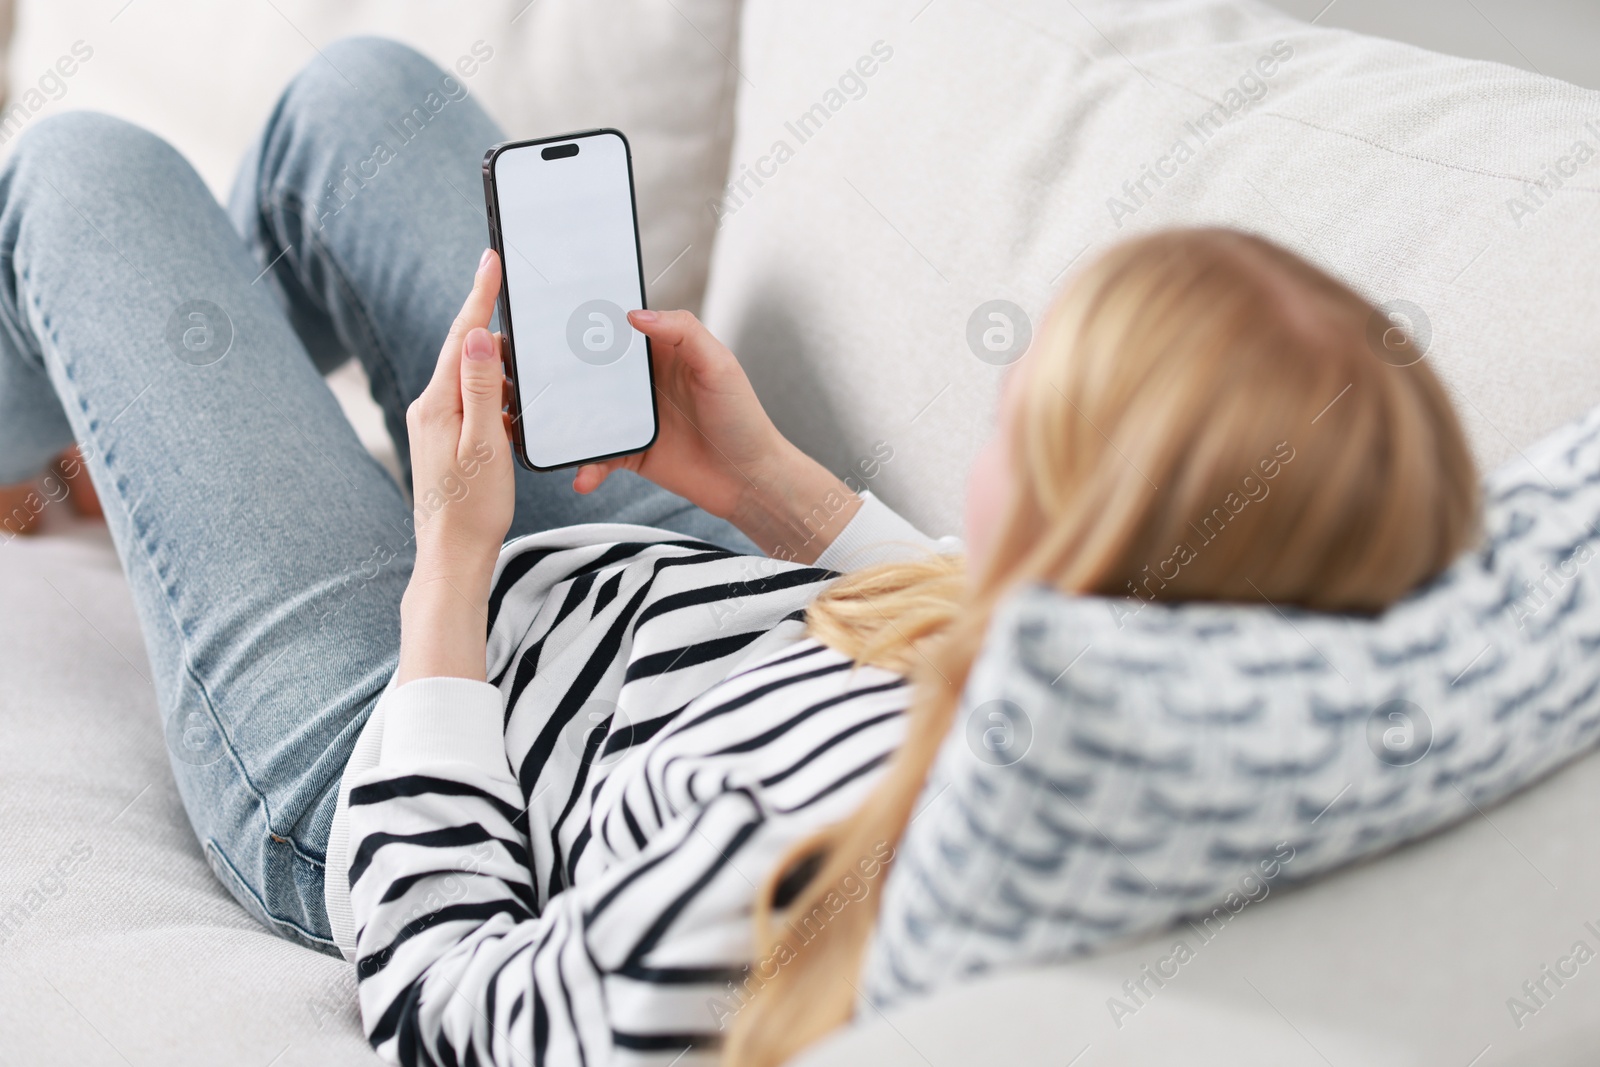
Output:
x=993 y=147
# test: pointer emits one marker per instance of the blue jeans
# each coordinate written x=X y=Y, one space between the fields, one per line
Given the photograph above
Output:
x=183 y=350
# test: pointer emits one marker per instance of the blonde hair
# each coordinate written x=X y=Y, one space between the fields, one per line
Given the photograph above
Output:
x=1201 y=389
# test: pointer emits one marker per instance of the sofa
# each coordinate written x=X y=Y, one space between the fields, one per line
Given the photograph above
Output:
x=842 y=190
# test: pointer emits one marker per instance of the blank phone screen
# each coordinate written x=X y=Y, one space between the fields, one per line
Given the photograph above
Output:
x=571 y=275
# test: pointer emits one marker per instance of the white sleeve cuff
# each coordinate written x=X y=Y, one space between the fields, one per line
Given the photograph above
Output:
x=877 y=534
x=444 y=720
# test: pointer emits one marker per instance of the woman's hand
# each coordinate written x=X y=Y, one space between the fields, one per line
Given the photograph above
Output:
x=463 y=485
x=718 y=449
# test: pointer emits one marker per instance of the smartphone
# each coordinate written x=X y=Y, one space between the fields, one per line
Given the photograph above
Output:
x=563 y=221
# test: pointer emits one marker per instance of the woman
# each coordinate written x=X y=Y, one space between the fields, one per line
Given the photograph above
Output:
x=535 y=789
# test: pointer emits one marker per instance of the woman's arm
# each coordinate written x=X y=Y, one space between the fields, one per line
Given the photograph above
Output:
x=459 y=963
x=718 y=449
x=464 y=490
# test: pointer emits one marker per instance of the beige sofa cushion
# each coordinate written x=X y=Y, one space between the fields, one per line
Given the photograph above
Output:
x=205 y=75
x=996 y=146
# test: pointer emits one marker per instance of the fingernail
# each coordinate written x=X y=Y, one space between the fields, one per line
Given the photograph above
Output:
x=643 y=315
x=484 y=261
x=479 y=344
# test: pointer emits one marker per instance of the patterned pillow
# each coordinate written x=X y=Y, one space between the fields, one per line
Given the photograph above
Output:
x=1114 y=771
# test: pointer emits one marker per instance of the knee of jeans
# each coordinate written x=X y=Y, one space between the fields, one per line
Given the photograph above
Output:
x=363 y=71
x=103 y=151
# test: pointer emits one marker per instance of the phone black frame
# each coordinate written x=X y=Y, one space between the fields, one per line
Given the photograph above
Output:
x=509 y=359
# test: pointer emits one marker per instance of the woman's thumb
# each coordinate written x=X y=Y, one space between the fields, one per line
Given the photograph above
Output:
x=481 y=388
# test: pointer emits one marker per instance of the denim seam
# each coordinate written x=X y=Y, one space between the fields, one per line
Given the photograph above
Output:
x=286 y=201
x=183 y=644
x=244 y=773
x=248 y=888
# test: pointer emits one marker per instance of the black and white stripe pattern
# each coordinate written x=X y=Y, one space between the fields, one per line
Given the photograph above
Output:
x=670 y=732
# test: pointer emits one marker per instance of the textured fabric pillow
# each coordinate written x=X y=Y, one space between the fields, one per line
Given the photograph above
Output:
x=1117 y=766
x=871 y=217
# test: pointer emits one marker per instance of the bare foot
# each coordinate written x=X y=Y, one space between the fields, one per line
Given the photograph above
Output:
x=71 y=469
x=21 y=505
x=20 y=508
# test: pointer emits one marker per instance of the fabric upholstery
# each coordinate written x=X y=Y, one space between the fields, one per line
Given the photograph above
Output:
x=989 y=143
x=872 y=219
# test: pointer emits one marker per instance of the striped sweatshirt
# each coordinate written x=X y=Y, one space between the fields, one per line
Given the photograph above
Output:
x=559 y=865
